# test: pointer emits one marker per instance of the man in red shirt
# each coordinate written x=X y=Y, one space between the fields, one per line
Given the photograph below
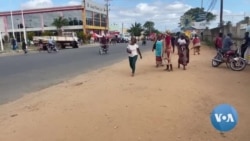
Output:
x=218 y=41
x=167 y=51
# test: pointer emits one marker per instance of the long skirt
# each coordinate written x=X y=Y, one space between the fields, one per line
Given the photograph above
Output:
x=158 y=60
x=196 y=49
x=183 y=55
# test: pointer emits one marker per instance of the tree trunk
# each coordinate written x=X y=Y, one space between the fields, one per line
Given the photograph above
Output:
x=59 y=31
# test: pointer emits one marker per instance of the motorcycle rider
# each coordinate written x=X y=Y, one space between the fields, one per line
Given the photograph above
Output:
x=245 y=44
x=50 y=41
x=52 y=45
x=227 y=43
x=104 y=42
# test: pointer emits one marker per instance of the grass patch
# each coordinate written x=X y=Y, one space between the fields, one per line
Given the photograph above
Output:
x=209 y=43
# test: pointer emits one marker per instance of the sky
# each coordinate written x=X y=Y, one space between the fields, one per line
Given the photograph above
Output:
x=164 y=13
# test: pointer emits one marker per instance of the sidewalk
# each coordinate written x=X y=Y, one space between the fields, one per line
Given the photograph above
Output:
x=33 y=50
x=110 y=105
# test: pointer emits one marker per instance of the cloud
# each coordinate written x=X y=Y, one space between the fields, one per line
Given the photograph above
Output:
x=32 y=4
x=165 y=15
x=228 y=15
x=74 y=2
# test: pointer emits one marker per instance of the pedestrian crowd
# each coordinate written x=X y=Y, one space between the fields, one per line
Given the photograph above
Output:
x=164 y=47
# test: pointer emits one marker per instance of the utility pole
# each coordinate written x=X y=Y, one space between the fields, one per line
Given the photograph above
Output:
x=201 y=4
x=84 y=17
x=122 y=28
x=107 y=18
x=221 y=17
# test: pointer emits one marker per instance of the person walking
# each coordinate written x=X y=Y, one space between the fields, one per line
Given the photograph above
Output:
x=167 y=52
x=133 y=51
x=182 y=52
x=158 y=47
x=24 y=48
x=14 y=44
x=245 y=45
x=196 y=44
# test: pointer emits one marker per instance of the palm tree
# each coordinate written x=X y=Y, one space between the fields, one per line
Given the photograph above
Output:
x=59 y=23
x=135 y=29
x=149 y=26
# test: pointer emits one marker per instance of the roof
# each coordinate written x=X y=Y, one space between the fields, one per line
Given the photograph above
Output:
x=43 y=10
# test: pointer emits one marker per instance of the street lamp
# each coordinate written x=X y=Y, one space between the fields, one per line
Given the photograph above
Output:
x=2 y=49
x=20 y=33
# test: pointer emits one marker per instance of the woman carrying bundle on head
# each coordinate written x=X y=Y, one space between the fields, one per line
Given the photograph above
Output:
x=196 y=44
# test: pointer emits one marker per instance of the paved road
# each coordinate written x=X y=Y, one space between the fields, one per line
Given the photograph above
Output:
x=22 y=74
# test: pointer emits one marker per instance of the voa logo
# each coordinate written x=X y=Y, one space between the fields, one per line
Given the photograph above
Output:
x=224 y=117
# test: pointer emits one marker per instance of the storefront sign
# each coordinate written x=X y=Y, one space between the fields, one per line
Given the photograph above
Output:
x=92 y=6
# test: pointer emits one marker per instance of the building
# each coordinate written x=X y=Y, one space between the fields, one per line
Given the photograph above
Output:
x=40 y=20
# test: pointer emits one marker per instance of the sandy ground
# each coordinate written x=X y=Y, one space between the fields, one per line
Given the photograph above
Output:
x=109 y=105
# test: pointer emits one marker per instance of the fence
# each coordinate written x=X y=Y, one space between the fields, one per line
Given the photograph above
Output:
x=209 y=39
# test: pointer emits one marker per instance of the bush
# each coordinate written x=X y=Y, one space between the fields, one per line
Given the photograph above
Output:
x=86 y=38
x=47 y=33
x=30 y=35
x=209 y=43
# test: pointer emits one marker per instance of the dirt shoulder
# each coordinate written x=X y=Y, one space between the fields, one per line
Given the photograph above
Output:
x=109 y=105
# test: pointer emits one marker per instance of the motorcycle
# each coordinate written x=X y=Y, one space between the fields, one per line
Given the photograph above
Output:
x=52 y=48
x=232 y=59
x=144 y=42
x=103 y=49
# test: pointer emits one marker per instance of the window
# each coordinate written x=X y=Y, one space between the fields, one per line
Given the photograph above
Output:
x=97 y=19
x=48 y=18
x=89 y=18
x=74 y=17
x=32 y=20
x=17 y=21
x=103 y=20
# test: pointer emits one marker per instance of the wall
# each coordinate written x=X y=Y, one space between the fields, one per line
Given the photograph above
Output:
x=237 y=32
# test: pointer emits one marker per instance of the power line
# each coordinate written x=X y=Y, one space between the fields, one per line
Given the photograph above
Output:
x=212 y=5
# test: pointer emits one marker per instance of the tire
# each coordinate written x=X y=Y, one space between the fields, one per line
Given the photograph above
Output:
x=49 y=49
x=100 y=51
x=238 y=64
x=61 y=45
x=214 y=62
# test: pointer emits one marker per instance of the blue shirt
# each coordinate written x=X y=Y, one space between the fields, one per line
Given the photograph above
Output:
x=227 y=43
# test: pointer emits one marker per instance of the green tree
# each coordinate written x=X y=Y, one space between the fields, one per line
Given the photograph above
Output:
x=30 y=35
x=149 y=27
x=80 y=34
x=229 y=23
x=195 y=14
x=59 y=23
x=135 y=29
